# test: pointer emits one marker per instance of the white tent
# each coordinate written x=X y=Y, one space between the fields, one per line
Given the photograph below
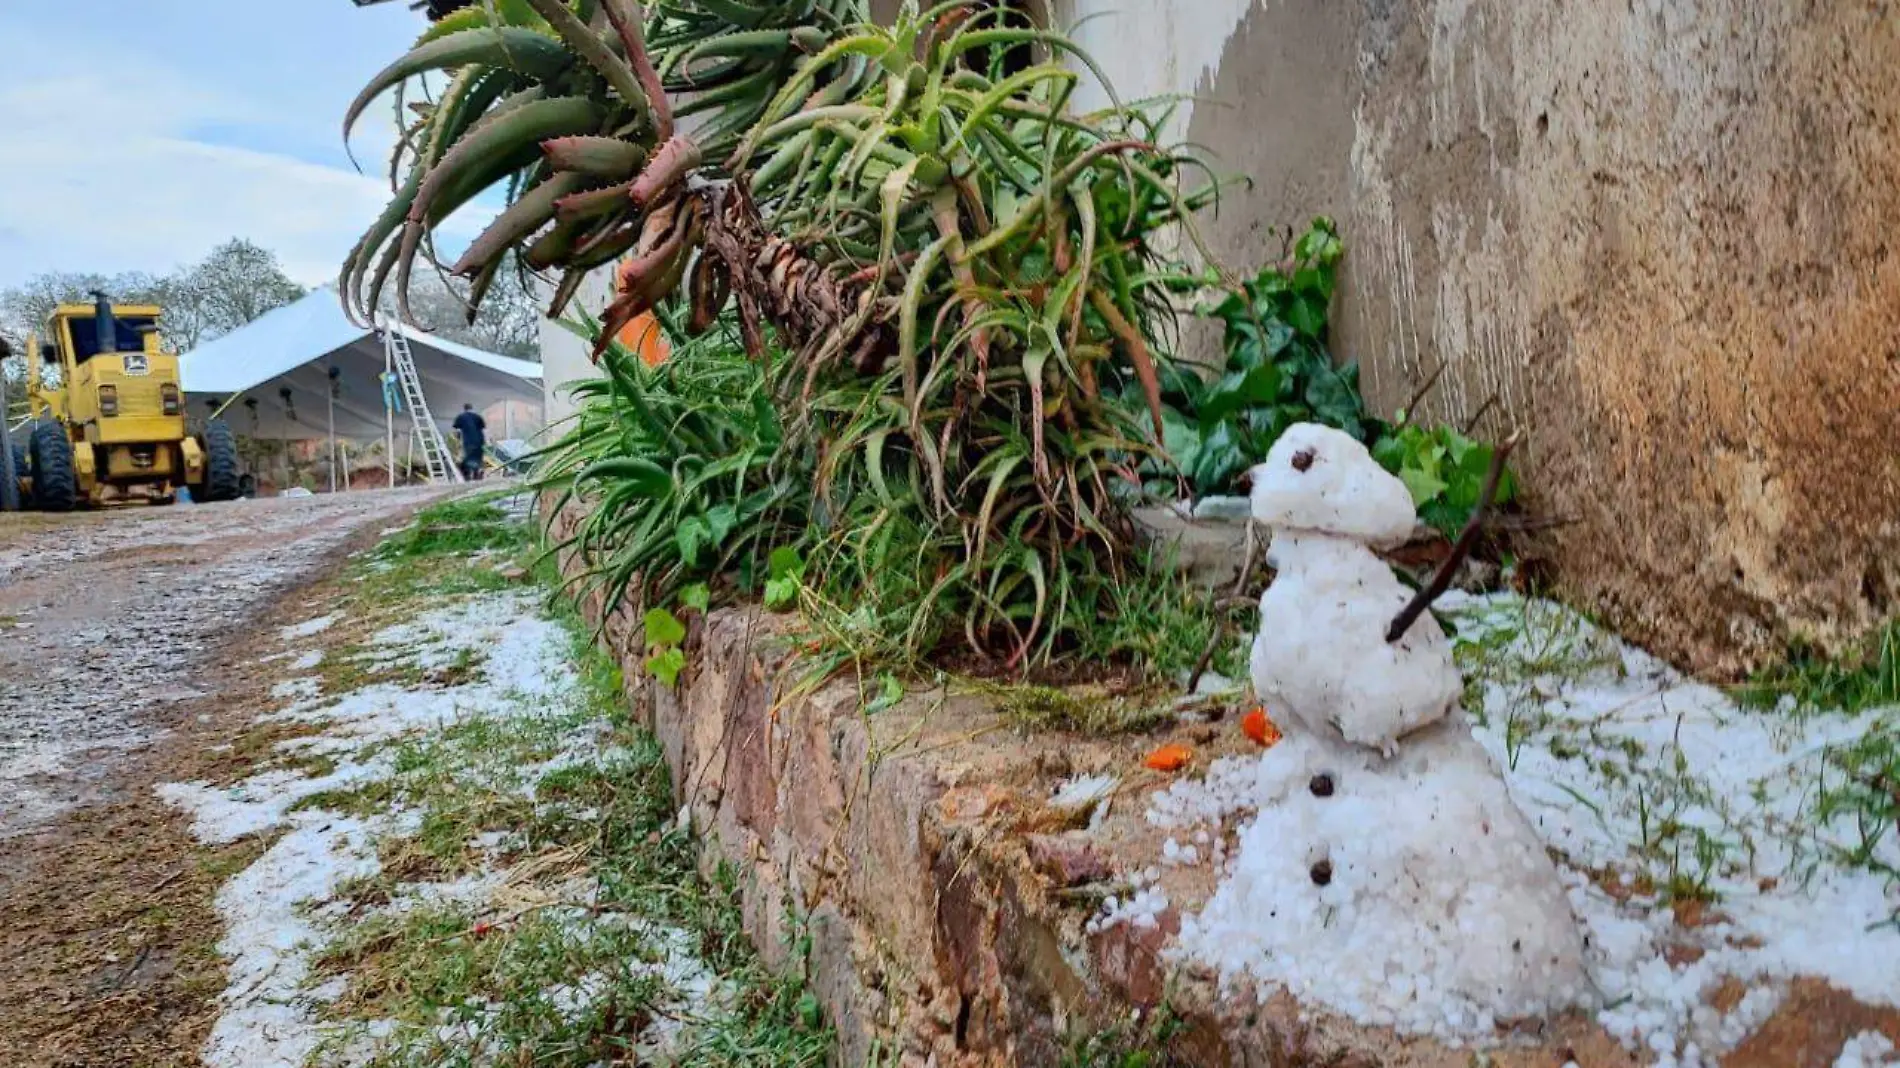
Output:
x=281 y=369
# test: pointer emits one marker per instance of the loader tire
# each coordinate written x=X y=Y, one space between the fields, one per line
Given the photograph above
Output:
x=55 y=480
x=221 y=462
x=22 y=498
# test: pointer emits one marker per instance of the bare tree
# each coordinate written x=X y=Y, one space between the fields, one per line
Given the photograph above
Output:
x=509 y=322
x=25 y=308
x=239 y=281
x=234 y=284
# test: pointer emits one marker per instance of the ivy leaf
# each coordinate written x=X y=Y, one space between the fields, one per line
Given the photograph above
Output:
x=1181 y=438
x=1307 y=314
x=1390 y=452
x=1335 y=402
x=664 y=628
x=1279 y=336
x=667 y=666
x=1239 y=390
x=1314 y=282
x=785 y=563
x=1463 y=449
x=1424 y=485
x=781 y=593
x=1320 y=244
x=697 y=597
x=1219 y=460
x=1441 y=515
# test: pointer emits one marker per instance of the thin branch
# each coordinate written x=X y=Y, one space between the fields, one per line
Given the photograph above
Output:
x=1412 y=405
x=1472 y=423
x=1441 y=580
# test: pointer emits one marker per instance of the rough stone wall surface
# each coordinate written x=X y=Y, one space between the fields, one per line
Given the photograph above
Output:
x=1660 y=233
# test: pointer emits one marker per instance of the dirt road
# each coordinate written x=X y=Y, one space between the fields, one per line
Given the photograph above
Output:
x=129 y=648
x=108 y=619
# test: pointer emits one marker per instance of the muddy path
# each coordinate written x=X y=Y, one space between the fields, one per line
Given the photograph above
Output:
x=130 y=649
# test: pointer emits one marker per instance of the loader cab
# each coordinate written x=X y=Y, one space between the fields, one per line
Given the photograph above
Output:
x=118 y=384
x=125 y=333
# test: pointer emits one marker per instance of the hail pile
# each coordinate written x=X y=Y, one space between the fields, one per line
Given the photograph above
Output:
x=1387 y=874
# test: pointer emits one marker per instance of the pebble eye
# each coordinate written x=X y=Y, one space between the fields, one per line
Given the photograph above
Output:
x=1303 y=459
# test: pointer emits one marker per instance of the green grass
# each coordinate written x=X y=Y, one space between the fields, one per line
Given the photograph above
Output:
x=434 y=555
x=1859 y=785
x=1154 y=626
x=1139 y=1044
x=1080 y=710
x=457 y=527
x=493 y=981
x=1868 y=677
x=1159 y=620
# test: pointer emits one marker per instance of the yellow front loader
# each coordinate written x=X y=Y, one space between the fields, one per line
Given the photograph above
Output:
x=112 y=428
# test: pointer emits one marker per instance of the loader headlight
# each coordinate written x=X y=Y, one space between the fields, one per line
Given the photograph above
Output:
x=108 y=400
x=168 y=395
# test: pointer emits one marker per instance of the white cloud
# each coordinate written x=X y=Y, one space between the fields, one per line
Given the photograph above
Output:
x=106 y=172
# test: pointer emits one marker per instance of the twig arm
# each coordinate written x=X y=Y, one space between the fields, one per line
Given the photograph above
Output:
x=1406 y=414
x=1467 y=538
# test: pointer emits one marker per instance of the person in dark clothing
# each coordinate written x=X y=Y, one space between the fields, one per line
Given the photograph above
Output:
x=473 y=430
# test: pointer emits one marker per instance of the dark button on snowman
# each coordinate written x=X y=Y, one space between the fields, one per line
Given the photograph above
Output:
x=1387 y=873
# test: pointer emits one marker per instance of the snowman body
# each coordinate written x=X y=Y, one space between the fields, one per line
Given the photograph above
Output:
x=1387 y=873
x=1321 y=655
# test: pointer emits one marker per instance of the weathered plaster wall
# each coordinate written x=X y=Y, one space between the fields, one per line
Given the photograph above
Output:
x=564 y=356
x=1659 y=232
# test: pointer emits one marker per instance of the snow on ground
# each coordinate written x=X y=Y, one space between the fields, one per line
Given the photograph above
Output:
x=1648 y=785
x=309 y=628
x=1870 y=1049
x=281 y=909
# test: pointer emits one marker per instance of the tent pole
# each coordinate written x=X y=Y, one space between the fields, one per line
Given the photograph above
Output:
x=389 y=411
x=333 y=459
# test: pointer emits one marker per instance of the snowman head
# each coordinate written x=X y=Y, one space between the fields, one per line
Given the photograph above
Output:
x=1320 y=480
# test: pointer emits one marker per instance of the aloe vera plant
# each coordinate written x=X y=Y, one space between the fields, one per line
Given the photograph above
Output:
x=958 y=266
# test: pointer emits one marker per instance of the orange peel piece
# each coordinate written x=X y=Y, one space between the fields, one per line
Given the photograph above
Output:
x=1257 y=726
x=1169 y=758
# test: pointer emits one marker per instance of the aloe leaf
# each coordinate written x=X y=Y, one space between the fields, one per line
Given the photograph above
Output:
x=534 y=209
x=497 y=146
x=610 y=158
x=521 y=50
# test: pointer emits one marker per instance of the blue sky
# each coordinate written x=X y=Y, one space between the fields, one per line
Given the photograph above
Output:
x=200 y=120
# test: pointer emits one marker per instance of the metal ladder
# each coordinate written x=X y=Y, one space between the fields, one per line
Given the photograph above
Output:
x=426 y=434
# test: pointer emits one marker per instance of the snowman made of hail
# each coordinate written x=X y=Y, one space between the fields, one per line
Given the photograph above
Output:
x=1387 y=873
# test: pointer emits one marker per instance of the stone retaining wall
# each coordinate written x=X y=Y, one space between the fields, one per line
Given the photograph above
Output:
x=909 y=860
